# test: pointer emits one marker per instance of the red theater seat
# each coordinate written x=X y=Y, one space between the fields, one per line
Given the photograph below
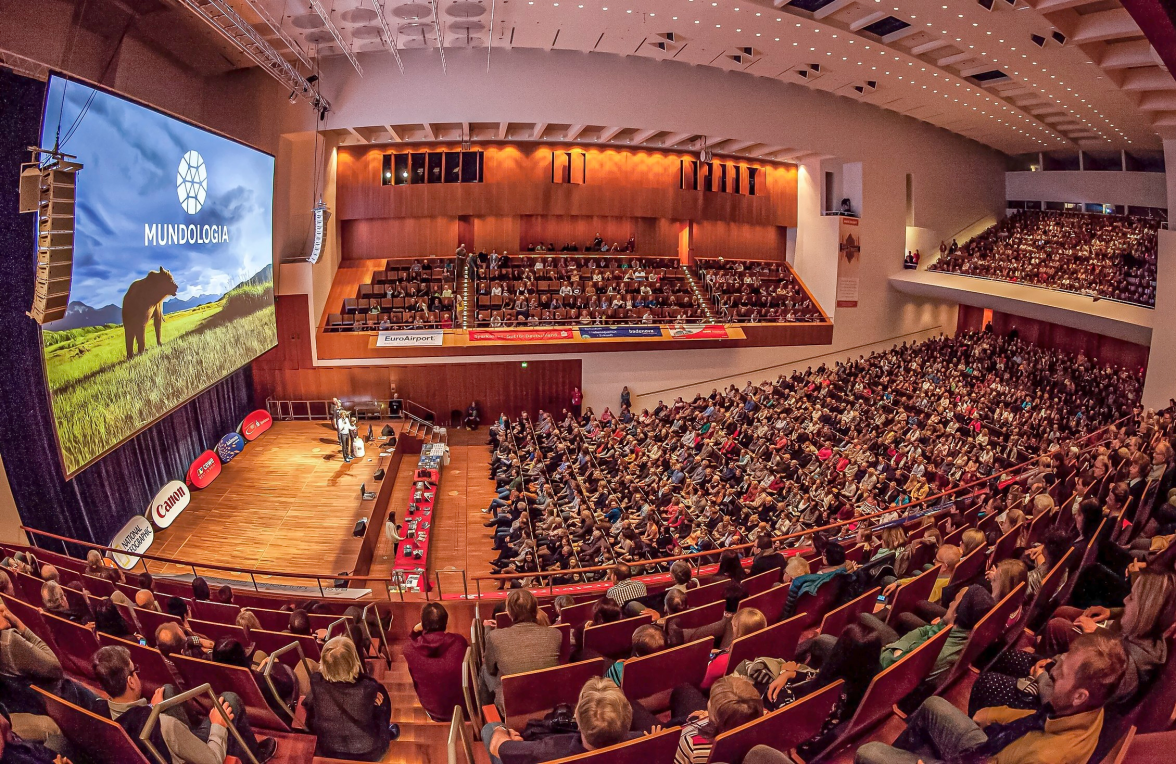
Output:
x=149 y=662
x=613 y=639
x=782 y=729
x=225 y=678
x=777 y=641
x=650 y=679
x=771 y=603
x=658 y=748
x=532 y=694
x=836 y=620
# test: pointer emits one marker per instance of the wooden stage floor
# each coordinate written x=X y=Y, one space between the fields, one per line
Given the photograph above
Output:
x=289 y=502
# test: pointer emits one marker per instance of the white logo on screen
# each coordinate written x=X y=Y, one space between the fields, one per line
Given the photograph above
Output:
x=192 y=182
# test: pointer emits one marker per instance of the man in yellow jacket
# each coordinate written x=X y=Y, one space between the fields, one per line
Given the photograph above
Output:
x=1064 y=731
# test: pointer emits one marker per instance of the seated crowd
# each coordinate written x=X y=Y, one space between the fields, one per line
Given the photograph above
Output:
x=537 y=290
x=1112 y=256
x=420 y=294
x=756 y=292
x=1068 y=616
x=823 y=445
x=110 y=659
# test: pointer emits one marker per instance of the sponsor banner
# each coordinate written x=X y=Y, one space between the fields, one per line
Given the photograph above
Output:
x=135 y=537
x=700 y=332
x=204 y=470
x=521 y=335
x=611 y=332
x=410 y=339
x=229 y=446
x=255 y=424
x=849 y=257
x=167 y=505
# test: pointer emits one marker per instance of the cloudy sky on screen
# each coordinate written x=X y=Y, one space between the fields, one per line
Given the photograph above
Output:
x=131 y=156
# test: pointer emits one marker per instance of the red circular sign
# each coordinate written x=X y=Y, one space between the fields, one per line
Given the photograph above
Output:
x=255 y=424
x=204 y=470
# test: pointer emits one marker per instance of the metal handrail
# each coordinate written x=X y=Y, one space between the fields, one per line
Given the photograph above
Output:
x=458 y=731
x=341 y=619
x=268 y=667
x=380 y=626
x=165 y=705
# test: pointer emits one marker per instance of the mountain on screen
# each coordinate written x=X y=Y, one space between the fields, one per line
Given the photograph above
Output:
x=264 y=276
x=79 y=314
x=175 y=306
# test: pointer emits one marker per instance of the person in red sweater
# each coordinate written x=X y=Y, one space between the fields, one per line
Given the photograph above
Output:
x=434 y=658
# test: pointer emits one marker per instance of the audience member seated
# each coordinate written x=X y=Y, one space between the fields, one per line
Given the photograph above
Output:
x=733 y=701
x=525 y=645
x=1111 y=256
x=434 y=657
x=603 y=717
x=347 y=709
x=538 y=291
x=1064 y=732
x=206 y=741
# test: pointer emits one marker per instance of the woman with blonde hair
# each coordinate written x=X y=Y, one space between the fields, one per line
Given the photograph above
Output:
x=744 y=622
x=348 y=710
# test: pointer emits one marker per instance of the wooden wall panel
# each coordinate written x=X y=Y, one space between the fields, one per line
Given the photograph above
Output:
x=1065 y=338
x=288 y=373
x=653 y=236
x=500 y=386
x=716 y=238
x=398 y=237
x=499 y=233
x=620 y=183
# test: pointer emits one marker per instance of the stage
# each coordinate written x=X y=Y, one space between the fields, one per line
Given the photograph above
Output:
x=289 y=503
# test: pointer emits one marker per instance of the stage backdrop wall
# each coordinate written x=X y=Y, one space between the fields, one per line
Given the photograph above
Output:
x=288 y=373
x=1066 y=338
x=100 y=500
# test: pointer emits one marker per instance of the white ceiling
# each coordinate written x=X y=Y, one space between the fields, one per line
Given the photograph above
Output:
x=1102 y=89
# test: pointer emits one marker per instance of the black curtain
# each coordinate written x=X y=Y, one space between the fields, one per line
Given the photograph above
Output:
x=99 y=500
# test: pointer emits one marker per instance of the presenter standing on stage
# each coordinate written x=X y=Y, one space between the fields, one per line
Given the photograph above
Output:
x=343 y=427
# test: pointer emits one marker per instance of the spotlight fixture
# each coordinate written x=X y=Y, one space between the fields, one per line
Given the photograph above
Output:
x=312 y=79
x=293 y=96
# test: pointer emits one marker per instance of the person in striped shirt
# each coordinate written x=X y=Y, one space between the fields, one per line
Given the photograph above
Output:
x=733 y=701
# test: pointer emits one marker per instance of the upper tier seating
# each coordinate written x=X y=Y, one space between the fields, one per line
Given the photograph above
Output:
x=542 y=290
x=1111 y=256
x=756 y=292
x=417 y=294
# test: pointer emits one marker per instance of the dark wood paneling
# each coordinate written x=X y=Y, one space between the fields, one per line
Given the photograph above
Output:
x=398 y=237
x=502 y=386
x=1110 y=350
x=288 y=373
x=718 y=238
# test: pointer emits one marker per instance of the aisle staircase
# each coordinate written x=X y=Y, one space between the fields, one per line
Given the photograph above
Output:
x=422 y=741
x=700 y=295
x=465 y=288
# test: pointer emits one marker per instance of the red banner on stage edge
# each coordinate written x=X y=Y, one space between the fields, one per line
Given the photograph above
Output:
x=699 y=332
x=521 y=335
x=255 y=424
x=204 y=470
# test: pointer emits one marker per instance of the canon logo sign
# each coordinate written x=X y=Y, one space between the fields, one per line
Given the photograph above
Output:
x=167 y=505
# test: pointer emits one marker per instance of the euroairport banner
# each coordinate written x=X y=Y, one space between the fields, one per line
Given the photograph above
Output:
x=410 y=339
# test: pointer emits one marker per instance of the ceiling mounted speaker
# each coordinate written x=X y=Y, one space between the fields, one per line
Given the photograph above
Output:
x=413 y=11
x=803 y=73
x=1059 y=38
x=986 y=4
x=815 y=67
x=736 y=58
x=669 y=36
x=358 y=16
x=859 y=88
x=465 y=10
x=1038 y=40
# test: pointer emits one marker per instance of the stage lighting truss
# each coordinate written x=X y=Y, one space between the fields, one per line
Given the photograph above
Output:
x=318 y=8
x=222 y=17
